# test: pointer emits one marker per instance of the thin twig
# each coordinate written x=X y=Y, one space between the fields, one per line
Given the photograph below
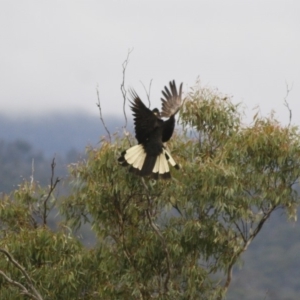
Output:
x=100 y=112
x=286 y=102
x=23 y=289
x=53 y=185
x=240 y=231
x=159 y=234
x=35 y=294
x=148 y=92
x=123 y=89
x=32 y=174
x=259 y=226
x=229 y=274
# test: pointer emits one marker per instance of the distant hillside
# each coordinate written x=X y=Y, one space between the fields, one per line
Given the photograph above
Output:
x=59 y=133
x=42 y=138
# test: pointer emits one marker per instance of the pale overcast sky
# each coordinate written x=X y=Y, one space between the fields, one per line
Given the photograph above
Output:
x=54 y=53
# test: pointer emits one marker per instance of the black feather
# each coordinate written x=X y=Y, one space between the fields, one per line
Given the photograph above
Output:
x=148 y=165
x=151 y=131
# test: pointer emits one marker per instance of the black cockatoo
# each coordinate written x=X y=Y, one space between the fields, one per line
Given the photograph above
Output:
x=150 y=157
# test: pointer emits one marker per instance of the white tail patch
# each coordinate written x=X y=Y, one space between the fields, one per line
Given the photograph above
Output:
x=161 y=164
x=135 y=156
x=156 y=166
x=139 y=162
x=162 y=159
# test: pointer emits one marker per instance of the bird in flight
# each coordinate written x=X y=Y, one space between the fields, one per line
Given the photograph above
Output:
x=150 y=157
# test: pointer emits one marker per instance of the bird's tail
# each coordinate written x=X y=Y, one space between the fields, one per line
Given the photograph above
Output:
x=145 y=165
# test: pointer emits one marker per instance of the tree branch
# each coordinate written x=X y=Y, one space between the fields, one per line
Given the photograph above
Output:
x=259 y=227
x=229 y=274
x=240 y=231
x=32 y=174
x=23 y=289
x=286 y=103
x=246 y=245
x=53 y=185
x=35 y=294
x=123 y=89
x=100 y=112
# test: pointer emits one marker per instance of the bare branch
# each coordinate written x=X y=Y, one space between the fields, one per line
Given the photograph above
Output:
x=286 y=102
x=259 y=226
x=100 y=112
x=23 y=289
x=148 y=92
x=123 y=89
x=35 y=294
x=32 y=174
x=240 y=231
x=229 y=274
x=53 y=184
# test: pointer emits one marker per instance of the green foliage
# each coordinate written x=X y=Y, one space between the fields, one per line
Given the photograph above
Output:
x=176 y=239
x=55 y=260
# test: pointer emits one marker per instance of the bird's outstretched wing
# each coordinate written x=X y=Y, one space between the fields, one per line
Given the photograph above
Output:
x=171 y=101
x=144 y=119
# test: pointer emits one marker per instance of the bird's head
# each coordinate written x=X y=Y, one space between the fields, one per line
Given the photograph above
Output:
x=156 y=112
